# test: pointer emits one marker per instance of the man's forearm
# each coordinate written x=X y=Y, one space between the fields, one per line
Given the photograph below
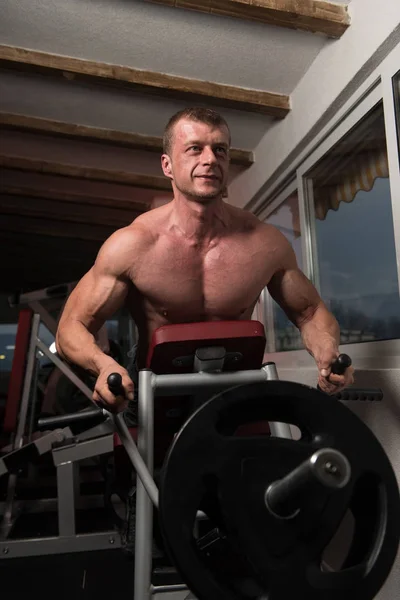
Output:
x=77 y=345
x=319 y=331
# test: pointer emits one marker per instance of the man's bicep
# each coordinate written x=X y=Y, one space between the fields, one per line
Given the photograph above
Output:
x=96 y=298
x=294 y=293
x=100 y=292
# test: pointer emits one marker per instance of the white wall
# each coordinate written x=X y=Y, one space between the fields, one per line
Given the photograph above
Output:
x=331 y=79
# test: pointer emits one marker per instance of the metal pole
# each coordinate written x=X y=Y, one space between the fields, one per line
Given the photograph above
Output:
x=144 y=506
x=281 y=430
x=136 y=458
x=34 y=390
x=27 y=383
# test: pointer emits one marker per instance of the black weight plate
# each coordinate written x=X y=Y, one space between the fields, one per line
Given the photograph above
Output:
x=250 y=553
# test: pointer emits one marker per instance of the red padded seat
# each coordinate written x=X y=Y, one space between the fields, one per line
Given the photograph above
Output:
x=171 y=342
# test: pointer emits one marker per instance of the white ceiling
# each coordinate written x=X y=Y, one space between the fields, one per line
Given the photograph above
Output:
x=160 y=38
x=154 y=37
x=50 y=215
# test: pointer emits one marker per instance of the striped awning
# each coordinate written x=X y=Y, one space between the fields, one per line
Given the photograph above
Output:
x=352 y=165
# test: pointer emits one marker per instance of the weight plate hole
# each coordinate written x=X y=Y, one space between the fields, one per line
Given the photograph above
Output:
x=337 y=551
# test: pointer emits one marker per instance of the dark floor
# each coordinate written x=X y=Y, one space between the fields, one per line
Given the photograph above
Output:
x=79 y=576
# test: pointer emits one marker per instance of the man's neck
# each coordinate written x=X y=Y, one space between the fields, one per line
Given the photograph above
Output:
x=202 y=221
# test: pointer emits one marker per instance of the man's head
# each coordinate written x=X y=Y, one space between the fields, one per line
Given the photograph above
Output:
x=196 y=153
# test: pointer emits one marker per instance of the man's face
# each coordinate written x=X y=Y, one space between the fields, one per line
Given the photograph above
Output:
x=198 y=162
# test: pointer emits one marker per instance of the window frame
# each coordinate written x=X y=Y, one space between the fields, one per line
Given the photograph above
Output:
x=265 y=299
x=378 y=87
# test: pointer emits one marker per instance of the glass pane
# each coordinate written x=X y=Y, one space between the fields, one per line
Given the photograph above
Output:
x=286 y=219
x=354 y=234
x=8 y=331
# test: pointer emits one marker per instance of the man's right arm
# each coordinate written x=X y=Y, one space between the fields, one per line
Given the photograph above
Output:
x=98 y=295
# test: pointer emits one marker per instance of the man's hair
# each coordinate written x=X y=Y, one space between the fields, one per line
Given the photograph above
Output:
x=199 y=114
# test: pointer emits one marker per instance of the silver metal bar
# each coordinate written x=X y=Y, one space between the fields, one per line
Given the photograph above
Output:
x=33 y=398
x=64 y=368
x=66 y=480
x=59 y=545
x=46 y=317
x=176 y=587
x=170 y=385
x=144 y=507
x=27 y=383
x=281 y=430
x=136 y=459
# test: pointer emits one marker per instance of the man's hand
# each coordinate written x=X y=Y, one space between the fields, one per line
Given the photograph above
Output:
x=102 y=394
x=329 y=382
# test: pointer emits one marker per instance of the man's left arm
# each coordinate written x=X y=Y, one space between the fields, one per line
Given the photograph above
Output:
x=319 y=329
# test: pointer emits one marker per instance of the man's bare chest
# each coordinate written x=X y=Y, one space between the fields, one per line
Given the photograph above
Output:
x=185 y=283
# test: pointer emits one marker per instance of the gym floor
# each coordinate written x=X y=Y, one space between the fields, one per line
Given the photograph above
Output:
x=78 y=576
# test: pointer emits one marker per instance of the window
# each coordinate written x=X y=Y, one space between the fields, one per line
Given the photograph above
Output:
x=354 y=234
x=8 y=332
x=286 y=219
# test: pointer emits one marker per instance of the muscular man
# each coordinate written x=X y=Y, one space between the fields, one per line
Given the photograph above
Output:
x=196 y=258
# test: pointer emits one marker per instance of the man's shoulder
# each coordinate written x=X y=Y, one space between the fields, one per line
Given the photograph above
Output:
x=136 y=235
x=242 y=217
x=248 y=221
x=121 y=250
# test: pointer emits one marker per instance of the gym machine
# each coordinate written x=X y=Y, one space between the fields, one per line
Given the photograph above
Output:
x=246 y=509
x=71 y=446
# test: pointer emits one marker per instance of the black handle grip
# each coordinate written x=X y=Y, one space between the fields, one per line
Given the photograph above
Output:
x=114 y=381
x=69 y=419
x=342 y=363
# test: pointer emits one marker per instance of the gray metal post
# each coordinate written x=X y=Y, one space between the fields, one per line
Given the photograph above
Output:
x=277 y=429
x=66 y=492
x=27 y=383
x=33 y=398
x=46 y=317
x=144 y=506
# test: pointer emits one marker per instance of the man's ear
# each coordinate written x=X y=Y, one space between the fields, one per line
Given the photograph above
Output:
x=166 y=165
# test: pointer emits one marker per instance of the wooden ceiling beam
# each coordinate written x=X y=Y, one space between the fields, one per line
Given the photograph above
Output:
x=259 y=101
x=32 y=165
x=315 y=16
x=13 y=283
x=44 y=261
x=73 y=197
x=61 y=211
x=135 y=141
x=49 y=244
x=54 y=228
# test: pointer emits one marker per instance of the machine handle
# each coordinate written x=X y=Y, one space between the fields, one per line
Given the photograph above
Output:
x=114 y=381
x=66 y=420
x=342 y=363
x=339 y=366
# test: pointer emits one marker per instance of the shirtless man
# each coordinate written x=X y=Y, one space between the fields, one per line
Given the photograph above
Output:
x=196 y=258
